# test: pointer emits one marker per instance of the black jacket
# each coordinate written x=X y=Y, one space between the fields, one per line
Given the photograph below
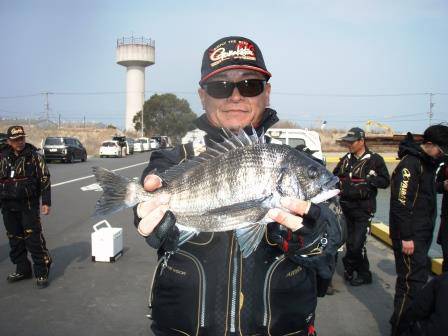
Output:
x=441 y=177
x=428 y=312
x=413 y=194
x=360 y=180
x=24 y=178
x=207 y=288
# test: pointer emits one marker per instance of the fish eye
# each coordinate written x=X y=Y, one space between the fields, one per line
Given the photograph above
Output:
x=312 y=172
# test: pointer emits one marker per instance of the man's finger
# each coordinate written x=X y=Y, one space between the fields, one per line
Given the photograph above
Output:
x=295 y=205
x=144 y=208
x=291 y=221
x=149 y=222
x=152 y=182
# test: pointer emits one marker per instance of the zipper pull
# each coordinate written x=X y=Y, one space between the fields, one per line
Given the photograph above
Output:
x=165 y=259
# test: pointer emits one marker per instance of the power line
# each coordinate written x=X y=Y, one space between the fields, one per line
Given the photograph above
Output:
x=21 y=96
x=303 y=94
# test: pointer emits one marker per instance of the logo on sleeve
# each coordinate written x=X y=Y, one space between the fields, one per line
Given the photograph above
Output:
x=404 y=185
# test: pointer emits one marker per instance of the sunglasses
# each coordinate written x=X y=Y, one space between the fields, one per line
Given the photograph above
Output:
x=224 y=89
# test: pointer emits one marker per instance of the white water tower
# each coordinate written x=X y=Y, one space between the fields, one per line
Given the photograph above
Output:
x=135 y=53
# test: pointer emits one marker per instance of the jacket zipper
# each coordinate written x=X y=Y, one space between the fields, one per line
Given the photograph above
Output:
x=265 y=288
x=234 y=291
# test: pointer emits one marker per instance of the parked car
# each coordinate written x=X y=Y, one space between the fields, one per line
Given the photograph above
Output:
x=145 y=143
x=153 y=144
x=123 y=144
x=138 y=146
x=130 y=142
x=66 y=149
x=297 y=137
x=3 y=138
x=163 y=140
x=111 y=148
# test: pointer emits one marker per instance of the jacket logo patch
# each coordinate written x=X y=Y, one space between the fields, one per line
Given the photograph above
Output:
x=177 y=271
x=295 y=271
x=404 y=185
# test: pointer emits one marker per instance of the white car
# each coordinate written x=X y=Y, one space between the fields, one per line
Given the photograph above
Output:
x=295 y=137
x=154 y=144
x=111 y=148
x=138 y=146
x=145 y=144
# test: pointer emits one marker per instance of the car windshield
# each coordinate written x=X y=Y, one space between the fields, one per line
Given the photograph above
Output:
x=296 y=142
x=54 y=141
x=109 y=144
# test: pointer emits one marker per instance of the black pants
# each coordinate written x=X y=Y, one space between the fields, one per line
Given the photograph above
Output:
x=355 y=259
x=412 y=274
x=24 y=231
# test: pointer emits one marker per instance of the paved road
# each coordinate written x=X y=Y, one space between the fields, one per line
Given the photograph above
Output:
x=87 y=298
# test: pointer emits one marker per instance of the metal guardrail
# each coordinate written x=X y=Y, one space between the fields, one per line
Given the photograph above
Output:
x=136 y=40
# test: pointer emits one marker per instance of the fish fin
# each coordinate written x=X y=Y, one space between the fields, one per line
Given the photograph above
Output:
x=256 y=203
x=213 y=150
x=119 y=192
x=185 y=234
x=249 y=237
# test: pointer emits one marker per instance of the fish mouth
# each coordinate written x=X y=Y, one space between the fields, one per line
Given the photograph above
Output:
x=328 y=191
x=331 y=183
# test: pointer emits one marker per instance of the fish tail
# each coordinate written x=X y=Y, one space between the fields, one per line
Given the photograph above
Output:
x=119 y=192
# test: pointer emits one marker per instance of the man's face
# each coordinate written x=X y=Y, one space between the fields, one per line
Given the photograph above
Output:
x=433 y=150
x=17 y=144
x=236 y=111
x=355 y=146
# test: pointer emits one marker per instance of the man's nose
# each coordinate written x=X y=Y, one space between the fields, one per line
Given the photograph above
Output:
x=235 y=96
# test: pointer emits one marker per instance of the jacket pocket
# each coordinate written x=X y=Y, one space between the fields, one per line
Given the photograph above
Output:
x=178 y=294
x=290 y=298
x=17 y=189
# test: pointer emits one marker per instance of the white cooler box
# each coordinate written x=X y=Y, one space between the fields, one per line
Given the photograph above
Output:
x=107 y=242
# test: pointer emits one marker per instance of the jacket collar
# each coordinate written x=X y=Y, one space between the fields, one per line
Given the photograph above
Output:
x=215 y=133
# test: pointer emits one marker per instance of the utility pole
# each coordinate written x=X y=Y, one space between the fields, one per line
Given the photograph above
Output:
x=431 y=105
x=59 y=120
x=47 y=106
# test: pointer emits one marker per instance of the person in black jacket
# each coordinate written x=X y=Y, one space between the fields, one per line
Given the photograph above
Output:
x=361 y=173
x=24 y=179
x=205 y=287
x=412 y=213
x=442 y=188
x=428 y=313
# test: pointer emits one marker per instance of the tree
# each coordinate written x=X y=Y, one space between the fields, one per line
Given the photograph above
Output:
x=166 y=115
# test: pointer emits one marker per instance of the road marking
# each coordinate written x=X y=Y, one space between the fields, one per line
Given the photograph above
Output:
x=89 y=176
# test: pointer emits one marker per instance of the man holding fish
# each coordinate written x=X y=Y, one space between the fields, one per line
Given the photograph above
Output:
x=247 y=232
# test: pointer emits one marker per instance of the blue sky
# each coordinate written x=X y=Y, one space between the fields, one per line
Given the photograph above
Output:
x=345 y=62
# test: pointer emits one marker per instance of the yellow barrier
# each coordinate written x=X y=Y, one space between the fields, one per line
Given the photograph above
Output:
x=381 y=231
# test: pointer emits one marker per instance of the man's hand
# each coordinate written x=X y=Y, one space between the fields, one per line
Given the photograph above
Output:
x=407 y=247
x=45 y=209
x=152 y=212
x=291 y=221
x=445 y=185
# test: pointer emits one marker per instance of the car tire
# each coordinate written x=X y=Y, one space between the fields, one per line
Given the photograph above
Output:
x=84 y=157
x=69 y=158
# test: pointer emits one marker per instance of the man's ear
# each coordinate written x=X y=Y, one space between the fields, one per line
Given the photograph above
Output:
x=201 y=93
x=267 y=93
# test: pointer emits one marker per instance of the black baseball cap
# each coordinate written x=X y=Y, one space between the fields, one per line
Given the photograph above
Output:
x=233 y=52
x=15 y=132
x=437 y=134
x=354 y=134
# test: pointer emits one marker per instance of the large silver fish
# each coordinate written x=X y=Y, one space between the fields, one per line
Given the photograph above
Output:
x=230 y=186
